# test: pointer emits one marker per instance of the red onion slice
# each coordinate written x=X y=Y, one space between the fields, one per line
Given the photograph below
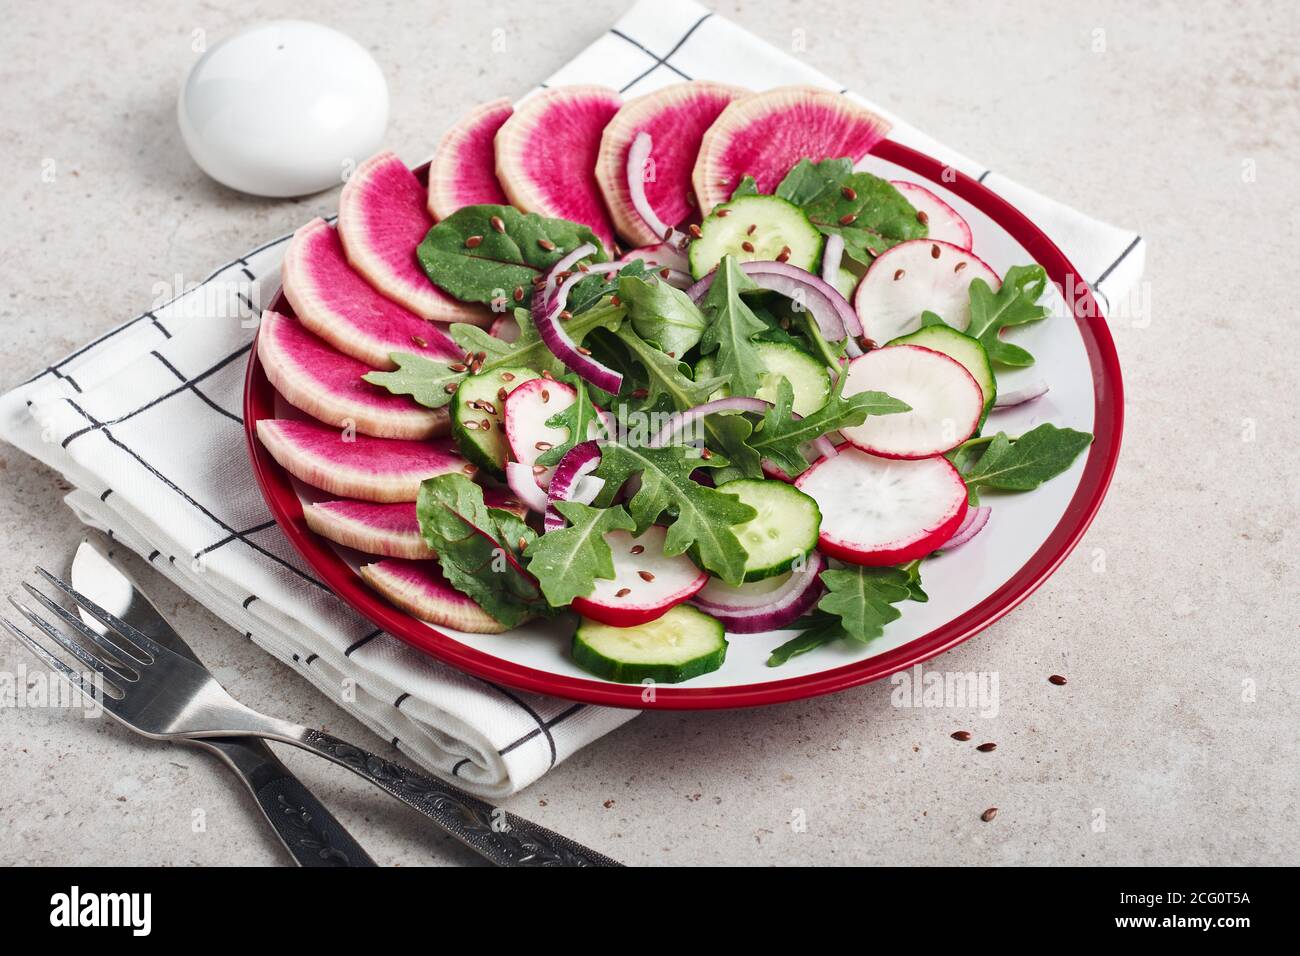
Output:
x=832 y=254
x=972 y=524
x=664 y=254
x=1018 y=396
x=831 y=311
x=521 y=481
x=637 y=157
x=546 y=316
x=580 y=460
x=764 y=605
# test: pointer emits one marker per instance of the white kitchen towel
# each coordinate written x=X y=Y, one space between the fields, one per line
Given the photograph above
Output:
x=146 y=423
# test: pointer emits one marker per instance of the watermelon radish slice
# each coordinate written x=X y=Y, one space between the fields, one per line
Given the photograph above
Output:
x=766 y=605
x=941 y=220
x=920 y=275
x=315 y=378
x=546 y=153
x=766 y=134
x=463 y=169
x=527 y=410
x=382 y=220
x=947 y=403
x=879 y=511
x=372 y=469
x=391 y=530
x=418 y=588
x=646 y=585
x=676 y=117
x=332 y=300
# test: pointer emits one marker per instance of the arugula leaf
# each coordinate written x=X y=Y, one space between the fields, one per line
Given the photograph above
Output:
x=779 y=435
x=577 y=418
x=1015 y=303
x=479 y=548
x=913 y=571
x=567 y=562
x=427 y=380
x=732 y=326
x=662 y=315
x=467 y=257
x=702 y=516
x=590 y=290
x=747 y=187
x=829 y=192
x=819 y=630
x=1019 y=464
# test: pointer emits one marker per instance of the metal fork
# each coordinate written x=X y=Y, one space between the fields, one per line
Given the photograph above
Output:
x=167 y=697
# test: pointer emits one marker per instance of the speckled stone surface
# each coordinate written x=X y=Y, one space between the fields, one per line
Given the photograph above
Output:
x=1175 y=740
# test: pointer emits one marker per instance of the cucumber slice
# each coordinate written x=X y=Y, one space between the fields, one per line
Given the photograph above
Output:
x=784 y=530
x=767 y=224
x=682 y=644
x=962 y=348
x=809 y=379
x=478 y=416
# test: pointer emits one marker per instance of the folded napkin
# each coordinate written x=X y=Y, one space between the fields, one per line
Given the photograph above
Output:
x=146 y=423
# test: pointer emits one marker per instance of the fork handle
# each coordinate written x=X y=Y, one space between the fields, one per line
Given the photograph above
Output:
x=501 y=837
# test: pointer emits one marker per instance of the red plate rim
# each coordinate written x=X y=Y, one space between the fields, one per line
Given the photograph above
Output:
x=1102 y=458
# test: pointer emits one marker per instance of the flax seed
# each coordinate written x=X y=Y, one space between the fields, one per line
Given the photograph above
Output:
x=502 y=394
x=497 y=224
x=640 y=393
x=752 y=227
x=747 y=246
x=1058 y=680
x=959 y=266
x=472 y=426
x=615 y=300
x=923 y=217
x=987 y=748
x=723 y=213
x=488 y=407
x=546 y=396
x=849 y=193
x=458 y=366
x=961 y=735
x=542 y=445
x=470 y=470
x=989 y=814
x=784 y=254
x=523 y=543
x=487 y=424
x=473 y=242
x=637 y=549
x=546 y=244
x=934 y=251
x=645 y=576
x=507 y=376
x=450 y=388
x=582 y=350
x=847 y=219
x=519 y=293
x=622 y=592
x=695 y=231
x=899 y=273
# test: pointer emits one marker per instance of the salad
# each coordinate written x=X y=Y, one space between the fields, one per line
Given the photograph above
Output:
x=762 y=417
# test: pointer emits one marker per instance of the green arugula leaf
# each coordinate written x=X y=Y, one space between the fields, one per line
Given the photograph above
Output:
x=819 y=630
x=868 y=212
x=779 y=436
x=577 y=418
x=466 y=256
x=1015 y=303
x=702 y=516
x=427 y=380
x=662 y=315
x=479 y=548
x=1018 y=464
x=567 y=562
x=913 y=571
x=731 y=329
x=590 y=290
x=747 y=187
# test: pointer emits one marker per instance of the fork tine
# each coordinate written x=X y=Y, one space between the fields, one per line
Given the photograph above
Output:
x=121 y=656
x=136 y=637
x=71 y=676
x=103 y=668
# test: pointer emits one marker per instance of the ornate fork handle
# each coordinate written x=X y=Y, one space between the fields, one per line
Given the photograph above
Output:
x=501 y=837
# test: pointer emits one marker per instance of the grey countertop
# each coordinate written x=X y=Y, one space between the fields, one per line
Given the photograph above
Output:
x=1175 y=740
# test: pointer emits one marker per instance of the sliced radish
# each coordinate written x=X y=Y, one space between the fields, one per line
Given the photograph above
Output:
x=522 y=483
x=527 y=410
x=922 y=275
x=882 y=511
x=766 y=605
x=941 y=220
x=646 y=583
x=946 y=402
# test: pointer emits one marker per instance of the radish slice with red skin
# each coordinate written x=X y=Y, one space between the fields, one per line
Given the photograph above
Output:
x=832 y=312
x=946 y=402
x=920 y=275
x=419 y=588
x=521 y=481
x=389 y=530
x=941 y=220
x=647 y=583
x=1018 y=396
x=527 y=409
x=766 y=605
x=882 y=511
x=976 y=519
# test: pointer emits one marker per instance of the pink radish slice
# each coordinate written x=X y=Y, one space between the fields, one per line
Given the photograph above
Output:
x=546 y=154
x=522 y=482
x=506 y=328
x=382 y=220
x=766 y=134
x=676 y=117
x=527 y=410
x=647 y=583
x=1018 y=396
x=326 y=384
x=372 y=469
x=419 y=588
x=390 y=530
x=946 y=402
x=942 y=221
x=332 y=300
x=570 y=481
x=921 y=275
x=976 y=519
x=463 y=169
x=882 y=511
x=766 y=605
x=832 y=312
x=546 y=317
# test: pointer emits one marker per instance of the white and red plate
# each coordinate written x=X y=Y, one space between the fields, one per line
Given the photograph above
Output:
x=1028 y=537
